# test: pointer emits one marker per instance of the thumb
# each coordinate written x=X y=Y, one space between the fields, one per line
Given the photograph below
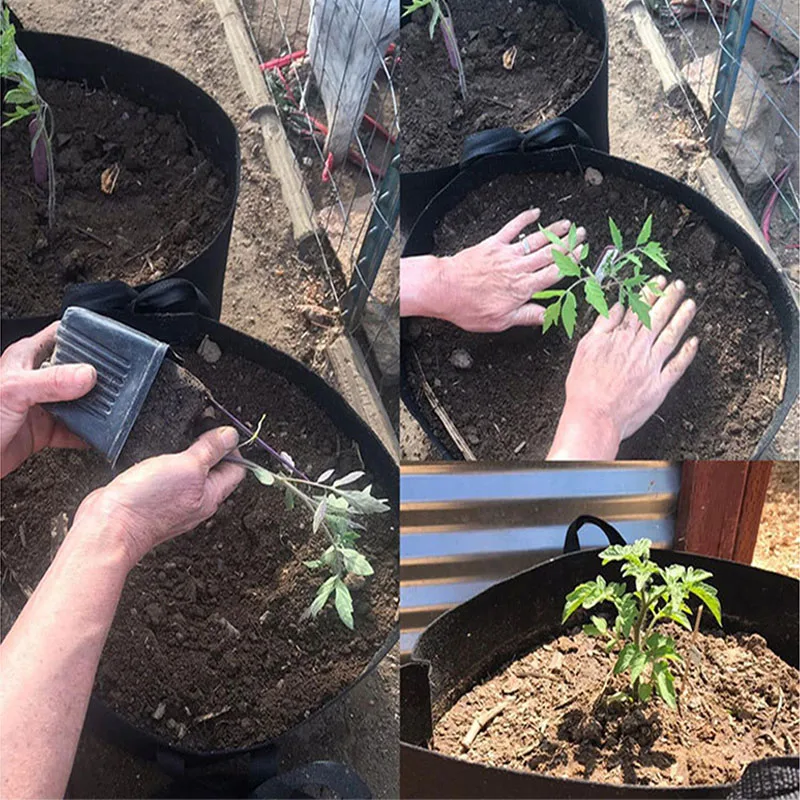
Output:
x=529 y=315
x=49 y=385
x=213 y=446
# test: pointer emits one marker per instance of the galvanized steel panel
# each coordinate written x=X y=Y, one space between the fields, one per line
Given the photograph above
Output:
x=464 y=526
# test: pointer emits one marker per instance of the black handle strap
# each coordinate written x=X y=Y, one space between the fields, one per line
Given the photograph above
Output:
x=571 y=543
x=167 y=296
x=558 y=132
x=770 y=779
x=332 y=776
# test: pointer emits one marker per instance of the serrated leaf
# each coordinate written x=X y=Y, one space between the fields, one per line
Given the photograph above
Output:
x=355 y=563
x=600 y=623
x=576 y=597
x=655 y=253
x=572 y=238
x=344 y=603
x=319 y=514
x=616 y=236
x=665 y=684
x=637 y=665
x=626 y=656
x=644 y=234
x=566 y=266
x=551 y=315
x=569 y=313
x=351 y=477
x=640 y=308
x=323 y=593
x=551 y=237
x=708 y=596
x=595 y=297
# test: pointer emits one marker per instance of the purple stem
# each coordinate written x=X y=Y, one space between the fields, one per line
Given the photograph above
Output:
x=271 y=450
x=39 y=154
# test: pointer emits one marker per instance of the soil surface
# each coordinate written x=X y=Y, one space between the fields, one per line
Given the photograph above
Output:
x=207 y=648
x=167 y=204
x=741 y=705
x=555 y=63
x=514 y=390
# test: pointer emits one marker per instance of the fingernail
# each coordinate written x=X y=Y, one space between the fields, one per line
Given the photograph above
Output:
x=536 y=210
x=581 y=232
x=85 y=373
x=230 y=438
x=694 y=341
x=690 y=306
x=680 y=285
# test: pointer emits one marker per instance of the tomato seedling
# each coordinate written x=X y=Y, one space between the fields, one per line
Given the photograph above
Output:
x=660 y=594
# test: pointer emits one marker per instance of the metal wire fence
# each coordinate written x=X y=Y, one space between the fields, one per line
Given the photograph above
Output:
x=739 y=61
x=329 y=65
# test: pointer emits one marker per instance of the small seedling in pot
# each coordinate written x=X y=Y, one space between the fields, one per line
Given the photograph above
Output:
x=337 y=509
x=661 y=593
x=617 y=267
x=441 y=16
x=28 y=104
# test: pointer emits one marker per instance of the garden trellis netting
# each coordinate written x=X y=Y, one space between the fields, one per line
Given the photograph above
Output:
x=329 y=67
x=739 y=66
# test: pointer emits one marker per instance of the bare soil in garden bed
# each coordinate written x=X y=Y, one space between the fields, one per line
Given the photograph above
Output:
x=555 y=63
x=187 y=637
x=514 y=391
x=742 y=704
x=166 y=206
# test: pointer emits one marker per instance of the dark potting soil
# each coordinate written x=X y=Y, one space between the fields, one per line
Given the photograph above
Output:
x=167 y=205
x=208 y=636
x=741 y=704
x=507 y=404
x=555 y=63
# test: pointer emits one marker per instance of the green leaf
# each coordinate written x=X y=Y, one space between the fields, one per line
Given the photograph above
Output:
x=319 y=514
x=548 y=294
x=313 y=564
x=566 y=266
x=325 y=475
x=655 y=253
x=349 y=478
x=577 y=597
x=595 y=297
x=435 y=16
x=665 y=684
x=569 y=313
x=644 y=234
x=356 y=563
x=551 y=237
x=263 y=475
x=638 y=663
x=600 y=623
x=628 y=611
x=585 y=252
x=551 y=314
x=616 y=236
x=288 y=499
x=344 y=603
x=708 y=596
x=323 y=593
x=572 y=238
x=591 y=630
x=645 y=690
x=640 y=308
x=626 y=656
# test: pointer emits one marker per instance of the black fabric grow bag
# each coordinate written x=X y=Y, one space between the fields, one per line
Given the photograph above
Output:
x=576 y=159
x=249 y=765
x=589 y=113
x=161 y=89
x=474 y=639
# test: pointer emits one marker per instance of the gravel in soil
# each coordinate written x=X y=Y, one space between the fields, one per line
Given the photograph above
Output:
x=742 y=704
x=167 y=204
x=513 y=392
x=555 y=63
x=207 y=648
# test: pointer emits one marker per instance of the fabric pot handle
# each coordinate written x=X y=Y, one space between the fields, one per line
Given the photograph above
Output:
x=558 y=132
x=167 y=296
x=337 y=778
x=571 y=543
x=769 y=779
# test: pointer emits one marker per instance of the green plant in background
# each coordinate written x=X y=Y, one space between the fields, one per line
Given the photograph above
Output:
x=661 y=593
x=441 y=16
x=620 y=268
x=27 y=103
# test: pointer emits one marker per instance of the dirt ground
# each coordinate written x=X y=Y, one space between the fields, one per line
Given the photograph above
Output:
x=778 y=544
x=266 y=286
x=645 y=129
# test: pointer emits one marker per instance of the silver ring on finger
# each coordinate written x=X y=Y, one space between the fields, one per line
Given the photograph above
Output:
x=526 y=247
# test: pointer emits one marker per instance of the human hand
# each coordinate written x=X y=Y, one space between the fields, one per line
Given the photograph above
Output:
x=620 y=375
x=168 y=495
x=486 y=288
x=25 y=427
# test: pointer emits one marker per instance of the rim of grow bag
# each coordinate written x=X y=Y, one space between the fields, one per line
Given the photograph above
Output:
x=190 y=328
x=575 y=159
x=589 y=112
x=163 y=89
x=416 y=676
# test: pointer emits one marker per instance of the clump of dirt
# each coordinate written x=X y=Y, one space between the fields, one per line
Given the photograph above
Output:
x=207 y=648
x=555 y=63
x=168 y=420
x=507 y=404
x=167 y=204
x=741 y=705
